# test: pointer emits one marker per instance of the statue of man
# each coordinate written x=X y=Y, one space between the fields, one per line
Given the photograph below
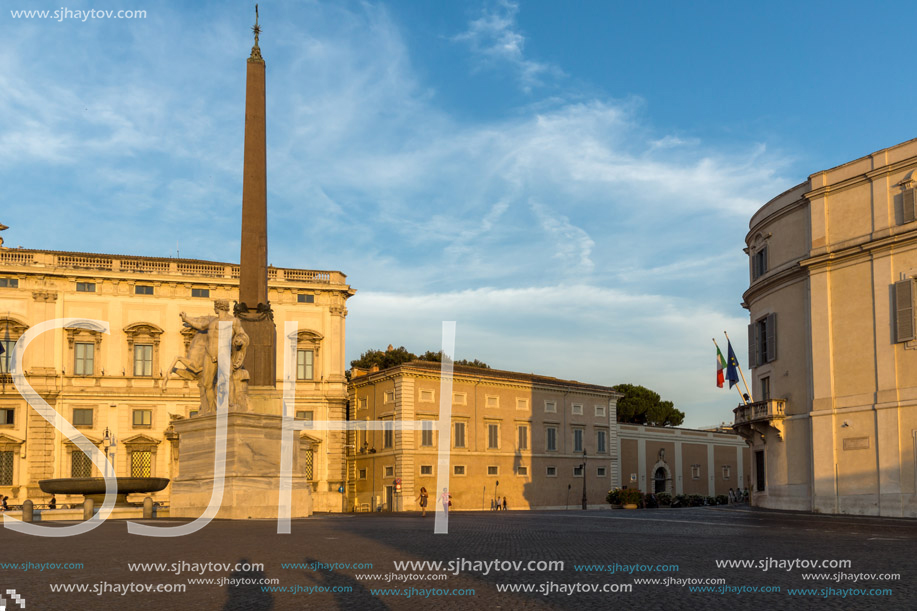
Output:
x=210 y=325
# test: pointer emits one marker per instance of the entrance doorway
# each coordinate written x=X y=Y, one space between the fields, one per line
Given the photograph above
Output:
x=659 y=481
x=759 y=471
x=390 y=498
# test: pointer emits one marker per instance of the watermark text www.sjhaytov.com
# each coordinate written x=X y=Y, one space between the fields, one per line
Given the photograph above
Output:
x=66 y=14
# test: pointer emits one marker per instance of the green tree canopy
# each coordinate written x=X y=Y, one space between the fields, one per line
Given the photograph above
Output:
x=640 y=405
x=397 y=356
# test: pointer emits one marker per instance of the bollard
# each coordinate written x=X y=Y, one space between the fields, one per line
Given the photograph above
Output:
x=148 y=508
x=87 y=509
x=28 y=511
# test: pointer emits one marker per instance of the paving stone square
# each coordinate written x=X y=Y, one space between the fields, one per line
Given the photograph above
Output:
x=322 y=547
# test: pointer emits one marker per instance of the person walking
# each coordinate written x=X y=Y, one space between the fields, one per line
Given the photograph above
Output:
x=504 y=503
x=423 y=501
x=446 y=500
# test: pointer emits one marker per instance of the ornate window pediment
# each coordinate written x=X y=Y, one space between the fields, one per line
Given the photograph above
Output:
x=8 y=443
x=70 y=446
x=140 y=442
x=142 y=331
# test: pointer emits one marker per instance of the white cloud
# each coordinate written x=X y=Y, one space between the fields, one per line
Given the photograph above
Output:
x=495 y=40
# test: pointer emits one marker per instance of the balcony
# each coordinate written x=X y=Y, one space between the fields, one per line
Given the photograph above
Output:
x=756 y=418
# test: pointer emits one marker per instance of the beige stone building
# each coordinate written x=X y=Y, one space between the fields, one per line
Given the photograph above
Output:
x=113 y=383
x=528 y=433
x=682 y=461
x=832 y=340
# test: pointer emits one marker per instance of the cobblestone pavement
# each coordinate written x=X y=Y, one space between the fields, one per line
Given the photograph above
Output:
x=693 y=539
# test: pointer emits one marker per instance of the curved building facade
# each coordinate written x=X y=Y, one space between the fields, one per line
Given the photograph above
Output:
x=831 y=341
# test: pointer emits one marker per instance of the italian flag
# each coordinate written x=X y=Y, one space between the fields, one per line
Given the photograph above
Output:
x=720 y=365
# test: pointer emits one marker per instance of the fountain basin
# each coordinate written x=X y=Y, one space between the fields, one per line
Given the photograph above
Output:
x=94 y=487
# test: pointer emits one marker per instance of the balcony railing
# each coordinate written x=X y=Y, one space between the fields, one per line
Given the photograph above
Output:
x=166 y=267
x=760 y=411
x=760 y=415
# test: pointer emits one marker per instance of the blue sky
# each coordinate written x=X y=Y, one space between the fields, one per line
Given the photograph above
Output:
x=570 y=181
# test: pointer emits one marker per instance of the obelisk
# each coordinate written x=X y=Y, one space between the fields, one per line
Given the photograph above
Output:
x=253 y=307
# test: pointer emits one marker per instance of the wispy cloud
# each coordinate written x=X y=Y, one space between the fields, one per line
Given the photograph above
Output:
x=496 y=42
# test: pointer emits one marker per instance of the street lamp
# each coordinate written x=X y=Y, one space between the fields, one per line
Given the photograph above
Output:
x=496 y=496
x=109 y=443
x=584 y=479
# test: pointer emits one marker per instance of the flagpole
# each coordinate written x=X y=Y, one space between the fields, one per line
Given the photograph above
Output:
x=738 y=390
x=741 y=374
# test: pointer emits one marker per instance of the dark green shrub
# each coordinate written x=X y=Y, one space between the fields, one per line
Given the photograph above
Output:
x=664 y=499
x=722 y=499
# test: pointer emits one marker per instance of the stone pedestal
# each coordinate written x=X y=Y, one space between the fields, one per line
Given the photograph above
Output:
x=252 y=480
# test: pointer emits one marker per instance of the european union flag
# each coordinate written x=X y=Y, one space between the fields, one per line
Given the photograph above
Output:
x=732 y=365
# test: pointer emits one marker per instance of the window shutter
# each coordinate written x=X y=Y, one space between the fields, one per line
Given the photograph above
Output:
x=770 y=328
x=908 y=206
x=904 y=310
x=752 y=349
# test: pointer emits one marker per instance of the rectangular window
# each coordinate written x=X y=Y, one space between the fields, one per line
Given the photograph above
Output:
x=6 y=468
x=599 y=411
x=426 y=434
x=550 y=407
x=143 y=290
x=82 y=416
x=426 y=469
x=141 y=464
x=550 y=471
x=459 y=398
x=143 y=360
x=904 y=311
x=908 y=206
x=600 y=471
x=695 y=471
x=200 y=292
x=362 y=403
x=577 y=440
x=759 y=263
x=302 y=298
x=765 y=388
x=389 y=471
x=492 y=401
x=523 y=431
x=600 y=443
x=306 y=415
x=12 y=283
x=388 y=435
x=493 y=436
x=362 y=474
x=304 y=369
x=551 y=439
x=83 y=360
x=459 y=434
x=458 y=470
x=6 y=358
x=493 y=470
x=576 y=409
x=522 y=470
x=143 y=417
x=522 y=403
x=427 y=396
x=578 y=471
x=727 y=471
x=85 y=287
x=388 y=397
x=8 y=416
x=762 y=341
x=309 y=467
x=80 y=465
